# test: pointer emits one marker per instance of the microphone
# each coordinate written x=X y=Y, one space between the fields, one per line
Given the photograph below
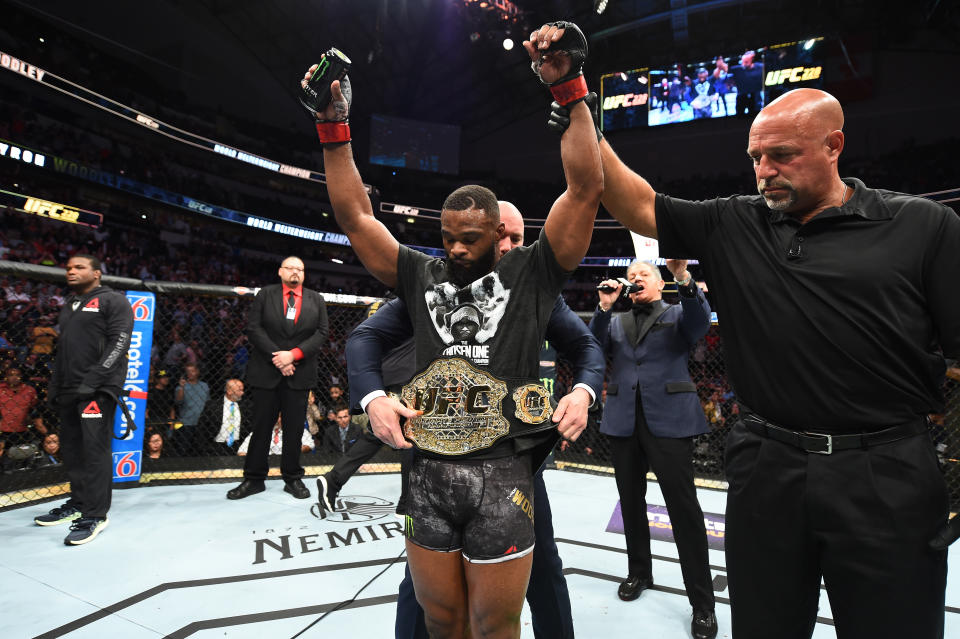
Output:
x=796 y=248
x=628 y=287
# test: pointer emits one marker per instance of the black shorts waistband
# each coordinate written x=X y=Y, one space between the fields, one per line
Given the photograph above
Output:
x=826 y=444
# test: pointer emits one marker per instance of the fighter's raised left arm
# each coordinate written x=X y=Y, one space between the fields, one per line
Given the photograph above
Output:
x=369 y=237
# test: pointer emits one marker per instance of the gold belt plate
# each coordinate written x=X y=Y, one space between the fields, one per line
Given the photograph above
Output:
x=462 y=408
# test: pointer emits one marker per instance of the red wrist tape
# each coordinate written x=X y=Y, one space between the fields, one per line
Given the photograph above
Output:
x=333 y=132
x=570 y=91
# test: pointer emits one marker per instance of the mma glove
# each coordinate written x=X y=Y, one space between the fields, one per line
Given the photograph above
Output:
x=316 y=95
x=559 y=119
x=571 y=88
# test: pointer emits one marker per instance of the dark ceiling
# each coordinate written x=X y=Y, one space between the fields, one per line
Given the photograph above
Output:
x=416 y=58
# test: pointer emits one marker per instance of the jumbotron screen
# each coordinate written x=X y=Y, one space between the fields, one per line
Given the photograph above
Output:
x=412 y=144
x=623 y=99
x=792 y=65
x=720 y=87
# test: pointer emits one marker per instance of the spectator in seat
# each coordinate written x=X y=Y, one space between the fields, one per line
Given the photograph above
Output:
x=315 y=420
x=190 y=397
x=160 y=404
x=44 y=337
x=16 y=401
x=227 y=420
x=276 y=441
x=341 y=438
x=153 y=445
x=50 y=451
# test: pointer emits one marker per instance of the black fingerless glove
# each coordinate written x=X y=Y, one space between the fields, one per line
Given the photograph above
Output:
x=559 y=119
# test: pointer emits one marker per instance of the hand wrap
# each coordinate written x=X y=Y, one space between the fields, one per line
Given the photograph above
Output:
x=572 y=87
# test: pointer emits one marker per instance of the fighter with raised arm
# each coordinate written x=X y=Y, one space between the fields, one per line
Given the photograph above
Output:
x=481 y=420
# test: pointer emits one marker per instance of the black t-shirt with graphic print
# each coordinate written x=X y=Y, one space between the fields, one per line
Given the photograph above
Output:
x=497 y=322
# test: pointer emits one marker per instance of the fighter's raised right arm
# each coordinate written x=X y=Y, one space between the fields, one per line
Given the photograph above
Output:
x=371 y=240
x=557 y=51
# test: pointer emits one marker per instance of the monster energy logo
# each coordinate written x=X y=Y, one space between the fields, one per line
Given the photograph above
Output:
x=408 y=526
x=321 y=68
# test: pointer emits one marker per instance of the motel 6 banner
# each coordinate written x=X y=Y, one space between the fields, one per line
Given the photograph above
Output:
x=128 y=452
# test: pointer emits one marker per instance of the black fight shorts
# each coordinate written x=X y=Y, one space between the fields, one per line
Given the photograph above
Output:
x=482 y=508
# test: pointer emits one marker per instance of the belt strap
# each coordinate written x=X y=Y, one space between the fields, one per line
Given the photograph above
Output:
x=826 y=444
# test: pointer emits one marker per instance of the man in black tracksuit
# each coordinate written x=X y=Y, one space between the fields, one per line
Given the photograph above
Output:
x=95 y=326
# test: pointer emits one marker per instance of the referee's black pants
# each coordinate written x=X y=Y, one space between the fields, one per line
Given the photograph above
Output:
x=672 y=461
x=860 y=519
x=86 y=432
x=291 y=405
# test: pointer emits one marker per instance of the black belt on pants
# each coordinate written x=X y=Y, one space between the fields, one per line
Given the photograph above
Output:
x=825 y=444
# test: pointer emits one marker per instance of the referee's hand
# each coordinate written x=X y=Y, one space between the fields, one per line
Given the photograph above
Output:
x=385 y=414
x=571 y=414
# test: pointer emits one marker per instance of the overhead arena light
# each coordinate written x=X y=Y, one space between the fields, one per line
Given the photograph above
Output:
x=507 y=9
x=508 y=43
x=808 y=44
x=600 y=6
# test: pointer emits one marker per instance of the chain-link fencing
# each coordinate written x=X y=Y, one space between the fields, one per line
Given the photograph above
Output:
x=199 y=343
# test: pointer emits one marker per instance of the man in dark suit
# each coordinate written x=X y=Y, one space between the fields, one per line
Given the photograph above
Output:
x=226 y=422
x=287 y=325
x=651 y=416
x=340 y=438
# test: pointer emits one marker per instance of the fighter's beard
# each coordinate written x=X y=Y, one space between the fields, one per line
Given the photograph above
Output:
x=463 y=275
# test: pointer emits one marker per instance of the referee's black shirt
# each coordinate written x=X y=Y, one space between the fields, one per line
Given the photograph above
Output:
x=833 y=326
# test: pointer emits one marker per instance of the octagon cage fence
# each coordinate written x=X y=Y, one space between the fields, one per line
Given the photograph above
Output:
x=205 y=325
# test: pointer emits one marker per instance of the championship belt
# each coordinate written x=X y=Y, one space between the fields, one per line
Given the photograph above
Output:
x=700 y=102
x=466 y=409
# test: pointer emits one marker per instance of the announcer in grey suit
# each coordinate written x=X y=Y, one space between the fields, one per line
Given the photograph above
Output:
x=651 y=416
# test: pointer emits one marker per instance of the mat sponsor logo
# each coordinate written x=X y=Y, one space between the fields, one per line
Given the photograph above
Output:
x=355 y=509
x=270 y=545
x=661 y=528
